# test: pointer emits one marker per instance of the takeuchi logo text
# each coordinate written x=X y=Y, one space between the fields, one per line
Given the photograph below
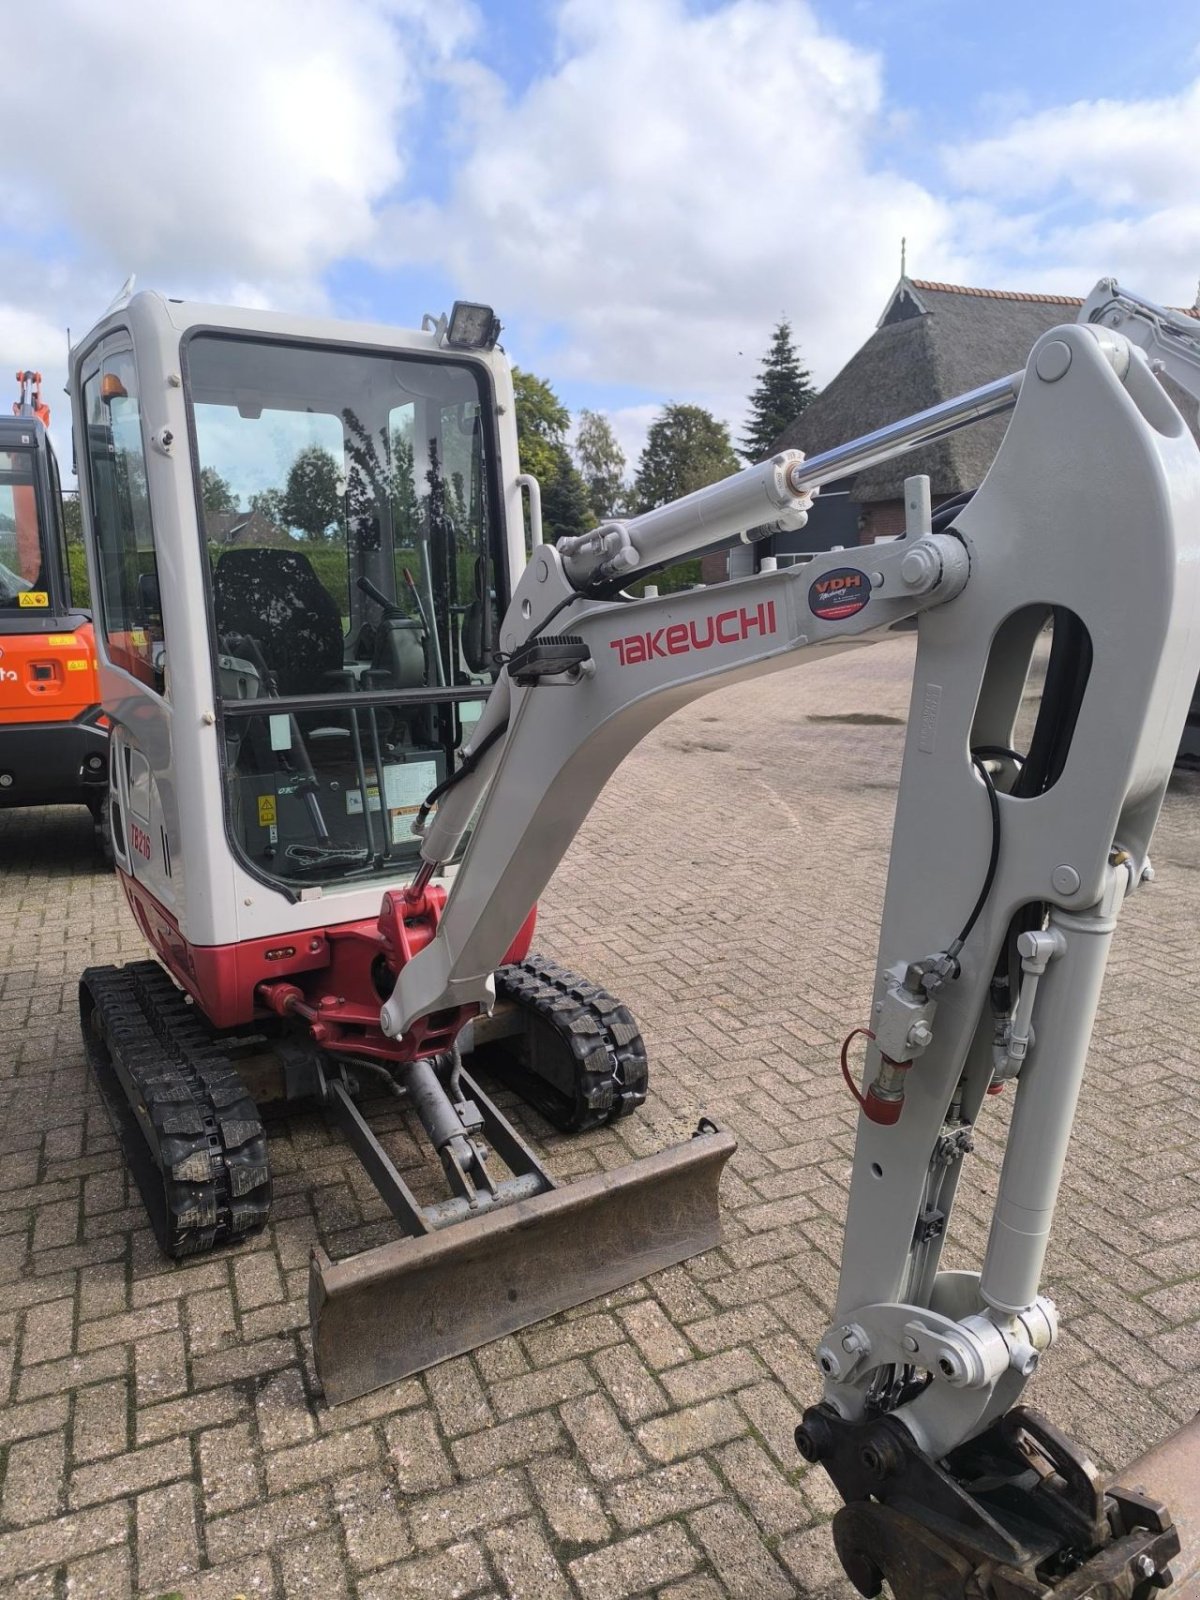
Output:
x=677 y=638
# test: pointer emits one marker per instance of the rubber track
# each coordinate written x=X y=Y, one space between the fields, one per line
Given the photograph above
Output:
x=604 y=1057
x=191 y=1134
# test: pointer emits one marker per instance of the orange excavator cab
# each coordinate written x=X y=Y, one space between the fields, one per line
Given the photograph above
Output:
x=53 y=734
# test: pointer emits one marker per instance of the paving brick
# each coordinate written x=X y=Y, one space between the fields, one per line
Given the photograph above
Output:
x=57 y=1377
x=282 y=1409
x=65 y=1537
x=683 y=1433
x=256 y=1280
x=458 y=1573
x=160 y=1366
x=100 y=1424
x=506 y=1443
x=668 y=1492
x=373 y=1522
x=655 y=1335
x=230 y=1471
x=559 y=1342
x=774 y=1504
x=732 y=1544
x=570 y=1503
x=445 y=1517
x=332 y=1456
x=243 y=1361
x=314 y=1567
x=600 y=1439
x=131 y=1472
x=417 y=1456
x=49 y=1331
x=167 y=1548
x=33 y=1479
x=36 y=1416
x=632 y=1566
x=722 y=1374
x=192 y=1414
x=270 y=1523
x=526 y=1563
x=628 y=1384
x=458 y=1398
x=537 y=1389
x=105 y=1576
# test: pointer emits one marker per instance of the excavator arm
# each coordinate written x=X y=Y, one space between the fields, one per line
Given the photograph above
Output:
x=1012 y=855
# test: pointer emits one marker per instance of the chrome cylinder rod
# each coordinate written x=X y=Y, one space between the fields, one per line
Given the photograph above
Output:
x=897 y=437
x=773 y=494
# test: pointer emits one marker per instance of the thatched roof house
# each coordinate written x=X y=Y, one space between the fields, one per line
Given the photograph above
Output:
x=933 y=341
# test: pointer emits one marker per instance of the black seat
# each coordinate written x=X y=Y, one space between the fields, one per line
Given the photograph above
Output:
x=276 y=598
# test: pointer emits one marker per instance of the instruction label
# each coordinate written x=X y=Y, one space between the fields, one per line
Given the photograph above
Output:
x=267 y=811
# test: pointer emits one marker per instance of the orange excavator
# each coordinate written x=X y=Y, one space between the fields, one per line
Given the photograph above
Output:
x=53 y=732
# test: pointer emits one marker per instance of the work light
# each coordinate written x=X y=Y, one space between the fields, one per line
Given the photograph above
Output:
x=472 y=327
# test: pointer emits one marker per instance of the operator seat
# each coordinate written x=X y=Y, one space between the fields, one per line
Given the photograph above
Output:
x=276 y=598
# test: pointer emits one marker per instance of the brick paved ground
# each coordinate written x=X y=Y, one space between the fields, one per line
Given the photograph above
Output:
x=162 y=1430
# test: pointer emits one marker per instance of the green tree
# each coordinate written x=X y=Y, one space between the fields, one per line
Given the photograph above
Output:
x=686 y=448
x=402 y=491
x=601 y=463
x=784 y=388
x=72 y=518
x=312 y=498
x=542 y=424
x=218 y=497
x=268 y=504
x=565 y=508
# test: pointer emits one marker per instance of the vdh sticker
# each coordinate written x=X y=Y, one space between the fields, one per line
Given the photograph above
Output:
x=840 y=593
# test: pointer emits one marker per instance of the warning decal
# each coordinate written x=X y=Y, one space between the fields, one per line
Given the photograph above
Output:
x=267 y=817
x=34 y=597
x=839 y=594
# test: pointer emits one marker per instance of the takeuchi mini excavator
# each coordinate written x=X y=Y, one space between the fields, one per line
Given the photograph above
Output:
x=53 y=733
x=356 y=727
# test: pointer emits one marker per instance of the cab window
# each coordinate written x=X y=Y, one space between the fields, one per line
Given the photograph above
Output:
x=130 y=614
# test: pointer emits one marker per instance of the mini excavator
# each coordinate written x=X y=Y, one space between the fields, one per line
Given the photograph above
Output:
x=356 y=727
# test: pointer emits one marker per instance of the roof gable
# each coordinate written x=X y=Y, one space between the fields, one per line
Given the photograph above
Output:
x=934 y=341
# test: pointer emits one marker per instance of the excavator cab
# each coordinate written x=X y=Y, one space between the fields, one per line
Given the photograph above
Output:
x=52 y=731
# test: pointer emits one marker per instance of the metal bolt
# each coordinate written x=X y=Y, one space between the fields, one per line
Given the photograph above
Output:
x=543 y=569
x=1143 y=1567
x=920 y=1034
x=1053 y=360
x=851 y=1343
x=1065 y=879
x=910 y=1344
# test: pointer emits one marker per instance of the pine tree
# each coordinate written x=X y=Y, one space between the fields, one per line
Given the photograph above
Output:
x=784 y=388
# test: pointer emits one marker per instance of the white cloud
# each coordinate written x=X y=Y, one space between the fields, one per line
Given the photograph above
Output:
x=1094 y=188
x=212 y=140
x=671 y=186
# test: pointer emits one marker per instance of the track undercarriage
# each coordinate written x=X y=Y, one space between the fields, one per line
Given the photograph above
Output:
x=501 y=1251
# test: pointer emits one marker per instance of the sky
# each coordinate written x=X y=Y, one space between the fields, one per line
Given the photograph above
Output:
x=641 y=188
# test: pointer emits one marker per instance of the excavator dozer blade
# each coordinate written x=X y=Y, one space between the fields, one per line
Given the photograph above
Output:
x=395 y=1310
